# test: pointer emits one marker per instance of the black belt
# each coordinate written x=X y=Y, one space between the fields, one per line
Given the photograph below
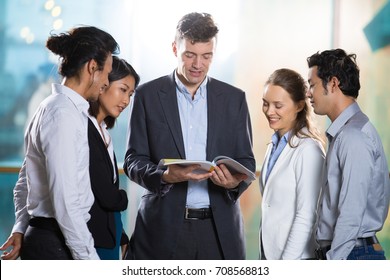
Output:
x=198 y=214
x=44 y=223
x=366 y=241
x=321 y=252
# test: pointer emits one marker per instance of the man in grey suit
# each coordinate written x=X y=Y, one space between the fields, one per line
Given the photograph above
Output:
x=185 y=214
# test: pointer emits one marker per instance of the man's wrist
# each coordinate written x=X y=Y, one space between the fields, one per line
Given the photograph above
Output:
x=164 y=179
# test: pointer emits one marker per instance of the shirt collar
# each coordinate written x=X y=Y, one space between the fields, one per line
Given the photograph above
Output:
x=95 y=122
x=275 y=138
x=182 y=88
x=81 y=104
x=342 y=119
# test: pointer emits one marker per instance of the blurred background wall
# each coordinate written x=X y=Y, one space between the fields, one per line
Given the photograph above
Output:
x=256 y=37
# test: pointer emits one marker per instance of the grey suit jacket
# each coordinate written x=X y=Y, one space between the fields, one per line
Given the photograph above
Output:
x=155 y=133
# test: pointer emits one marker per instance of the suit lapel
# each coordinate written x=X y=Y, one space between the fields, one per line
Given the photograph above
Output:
x=265 y=165
x=169 y=104
x=277 y=163
x=101 y=145
x=214 y=104
x=286 y=151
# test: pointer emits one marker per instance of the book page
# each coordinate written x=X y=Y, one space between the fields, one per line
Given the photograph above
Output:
x=235 y=167
x=205 y=166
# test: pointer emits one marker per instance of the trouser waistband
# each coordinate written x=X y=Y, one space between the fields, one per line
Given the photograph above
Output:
x=45 y=223
x=321 y=251
x=366 y=241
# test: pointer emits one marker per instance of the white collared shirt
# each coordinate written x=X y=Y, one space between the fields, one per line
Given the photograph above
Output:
x=54 y=180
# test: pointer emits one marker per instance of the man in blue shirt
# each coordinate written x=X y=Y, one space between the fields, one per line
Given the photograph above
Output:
x=355 y=197
x=189 y=115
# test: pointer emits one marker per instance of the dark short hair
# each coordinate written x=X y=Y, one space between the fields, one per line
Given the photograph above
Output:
x=120 y=69
x=80 y=45
x=337 y=63
x=196 y=27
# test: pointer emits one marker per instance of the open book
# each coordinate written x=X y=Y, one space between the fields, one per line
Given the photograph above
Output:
x=208 y=166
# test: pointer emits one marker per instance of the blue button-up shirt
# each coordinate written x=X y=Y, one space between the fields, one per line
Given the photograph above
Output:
x=355 y=199
x=193 y=118
x=277 y=148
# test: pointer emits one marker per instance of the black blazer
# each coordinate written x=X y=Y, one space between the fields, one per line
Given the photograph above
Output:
x=155 y=133
x=108 y=197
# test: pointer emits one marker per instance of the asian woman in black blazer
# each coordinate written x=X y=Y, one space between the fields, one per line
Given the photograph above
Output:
x=105 y=223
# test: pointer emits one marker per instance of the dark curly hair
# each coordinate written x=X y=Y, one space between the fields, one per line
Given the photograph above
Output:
x=196 y=27
x=337 y=63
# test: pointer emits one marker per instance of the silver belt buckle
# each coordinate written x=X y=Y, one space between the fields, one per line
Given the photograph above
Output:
x=186 y=215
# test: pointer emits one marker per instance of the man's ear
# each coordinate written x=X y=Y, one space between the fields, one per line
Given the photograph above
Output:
x=174 y=48
x=92 y=66
x=334 y=83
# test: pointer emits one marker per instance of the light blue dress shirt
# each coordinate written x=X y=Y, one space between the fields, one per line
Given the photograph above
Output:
x=277 y=148
x=193 y=119
x=355 y=198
